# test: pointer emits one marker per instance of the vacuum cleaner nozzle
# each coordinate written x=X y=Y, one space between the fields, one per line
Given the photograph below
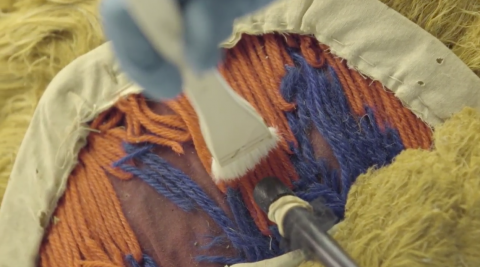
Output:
x=269 y=190
x=301 y=225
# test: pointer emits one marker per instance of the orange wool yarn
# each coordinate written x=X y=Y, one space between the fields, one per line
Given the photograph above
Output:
x=89 y=228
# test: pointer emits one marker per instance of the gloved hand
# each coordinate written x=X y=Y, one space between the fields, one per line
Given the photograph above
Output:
x=207 y=23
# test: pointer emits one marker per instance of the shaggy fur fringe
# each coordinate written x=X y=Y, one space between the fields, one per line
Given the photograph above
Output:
x=422 y=210
x=455 y=22
x=39 y=37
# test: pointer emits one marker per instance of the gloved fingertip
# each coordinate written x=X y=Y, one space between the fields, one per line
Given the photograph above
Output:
x=208 y=23
x=163 y=84
x=203 y=59
x=113 y=12
x=168 y=92
x=203 y=34
x=136 y=56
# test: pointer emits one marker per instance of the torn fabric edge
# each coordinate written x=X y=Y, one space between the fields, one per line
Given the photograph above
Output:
x=380 y=43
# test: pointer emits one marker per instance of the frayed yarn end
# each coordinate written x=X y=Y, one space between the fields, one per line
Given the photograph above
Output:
x=246 y=162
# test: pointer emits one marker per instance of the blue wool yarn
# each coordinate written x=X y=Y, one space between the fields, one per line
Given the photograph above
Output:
x=263 y=247
x=147 y=261
x=181 y=190
x=135 y=153
x=155 y=180
x=357 y=143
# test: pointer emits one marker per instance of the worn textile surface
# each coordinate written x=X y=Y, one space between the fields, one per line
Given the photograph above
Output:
x=335 y=124
x=433 y=215
x=420 y=72
x=38 y=39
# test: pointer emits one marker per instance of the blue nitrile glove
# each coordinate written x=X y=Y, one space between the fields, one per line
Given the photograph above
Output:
x=207 y=23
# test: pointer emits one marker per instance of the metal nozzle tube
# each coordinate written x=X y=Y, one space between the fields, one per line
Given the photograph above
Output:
x=300 y=226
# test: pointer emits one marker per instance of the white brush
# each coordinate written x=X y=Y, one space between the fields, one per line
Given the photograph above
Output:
x=236 y=135
x=234 y=132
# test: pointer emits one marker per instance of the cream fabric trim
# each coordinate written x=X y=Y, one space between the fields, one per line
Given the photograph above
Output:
x=86 y=87
x=380 y=43
x=279 y=209
x=291 y=259
x=377 y=41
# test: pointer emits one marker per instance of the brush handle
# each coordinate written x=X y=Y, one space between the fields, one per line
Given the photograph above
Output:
x=226 y=119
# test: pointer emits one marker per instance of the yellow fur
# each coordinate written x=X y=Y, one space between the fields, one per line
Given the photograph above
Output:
x=422 y=210
x=39 y=37
x=455 y=22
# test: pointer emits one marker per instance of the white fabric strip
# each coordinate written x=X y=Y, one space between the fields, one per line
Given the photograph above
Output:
x=291 y=259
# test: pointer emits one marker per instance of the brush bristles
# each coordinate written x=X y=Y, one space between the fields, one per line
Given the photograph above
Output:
x=245 y=162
